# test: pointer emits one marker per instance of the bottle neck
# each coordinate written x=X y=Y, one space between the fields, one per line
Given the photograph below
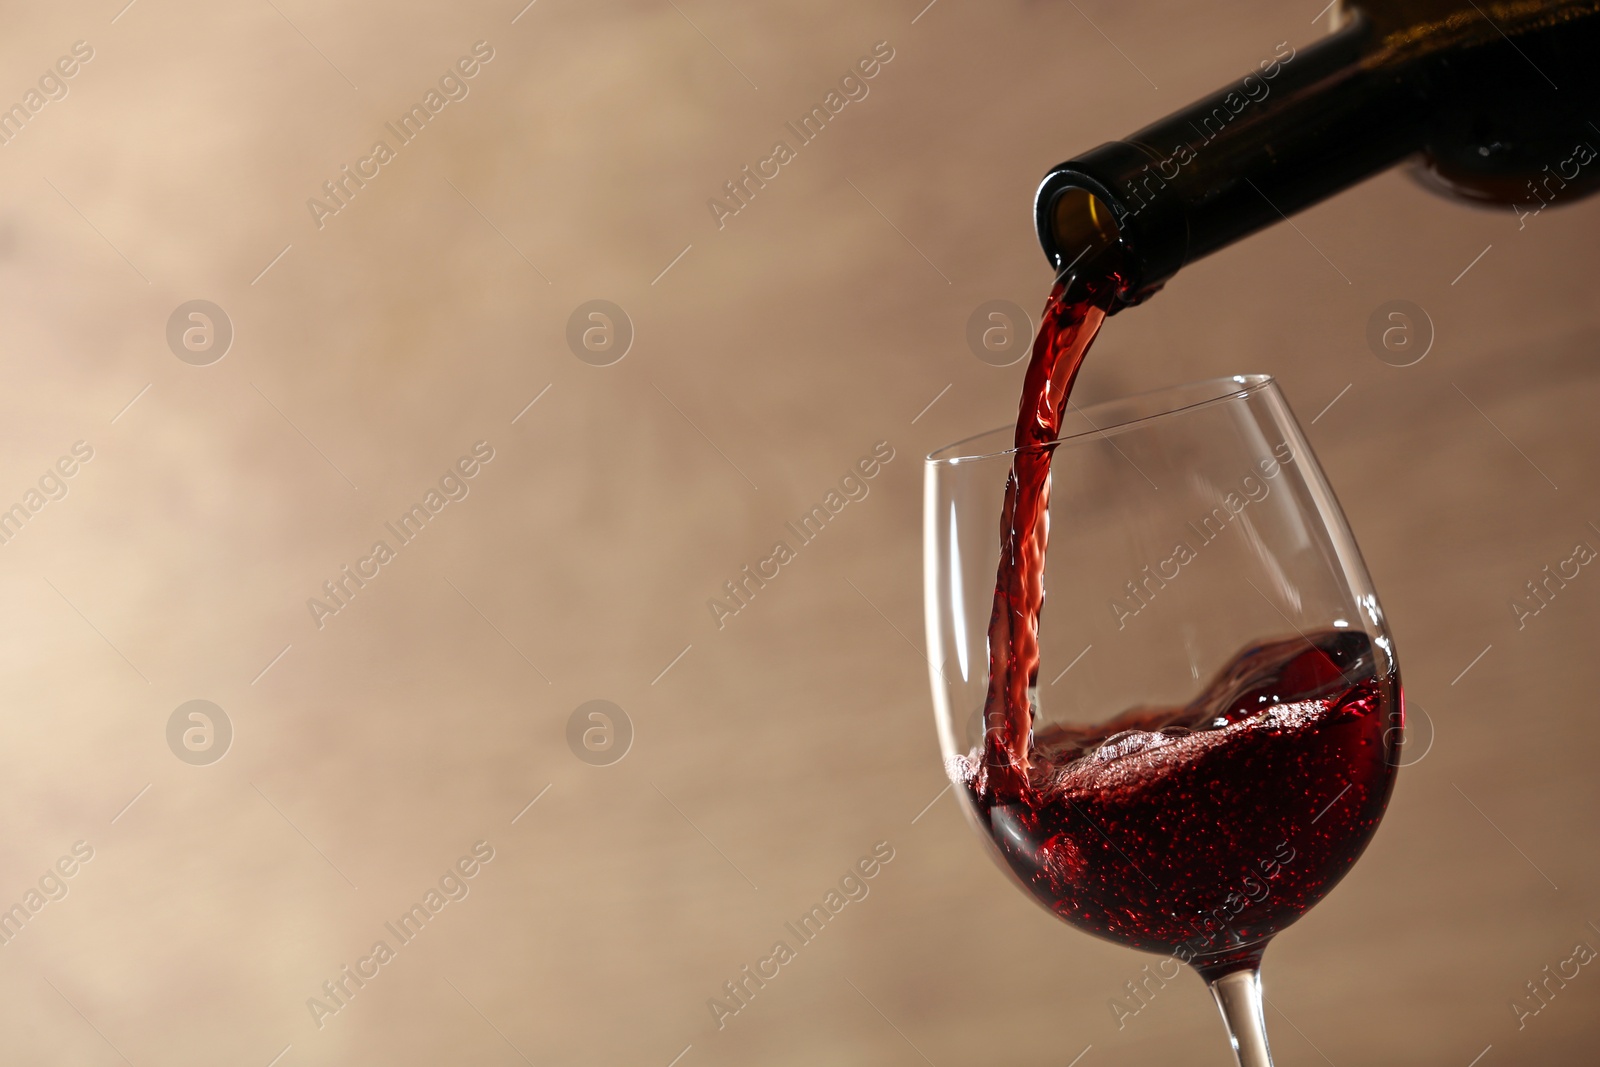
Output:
x=1308 y=123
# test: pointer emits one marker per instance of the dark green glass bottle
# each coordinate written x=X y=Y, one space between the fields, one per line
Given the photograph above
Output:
x=1495 y=101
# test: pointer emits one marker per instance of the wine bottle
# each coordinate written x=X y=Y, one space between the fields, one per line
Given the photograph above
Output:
x=1495 y=100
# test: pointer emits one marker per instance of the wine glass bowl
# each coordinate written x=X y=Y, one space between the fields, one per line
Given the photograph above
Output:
x=1217 y=711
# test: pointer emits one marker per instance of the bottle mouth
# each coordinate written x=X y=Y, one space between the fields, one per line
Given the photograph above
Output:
x=1080 y=212
x=1078 y=224
x=1080 y=232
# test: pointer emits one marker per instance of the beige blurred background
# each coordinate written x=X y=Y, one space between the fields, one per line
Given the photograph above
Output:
x=768 y=756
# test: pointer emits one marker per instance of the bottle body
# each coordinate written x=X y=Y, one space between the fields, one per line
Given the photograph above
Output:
x=1494 y=105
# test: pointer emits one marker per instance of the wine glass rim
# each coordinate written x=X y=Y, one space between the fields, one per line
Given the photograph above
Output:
x=1214 y=391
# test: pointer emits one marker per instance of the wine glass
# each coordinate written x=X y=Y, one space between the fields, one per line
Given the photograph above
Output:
x=1217 y=713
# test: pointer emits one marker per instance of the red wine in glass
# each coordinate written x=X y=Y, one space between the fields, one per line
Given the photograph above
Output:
x=1204 y=830
x=1201 y=827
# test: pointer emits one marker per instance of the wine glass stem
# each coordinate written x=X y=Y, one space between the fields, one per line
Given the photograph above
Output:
x=1238 y=994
